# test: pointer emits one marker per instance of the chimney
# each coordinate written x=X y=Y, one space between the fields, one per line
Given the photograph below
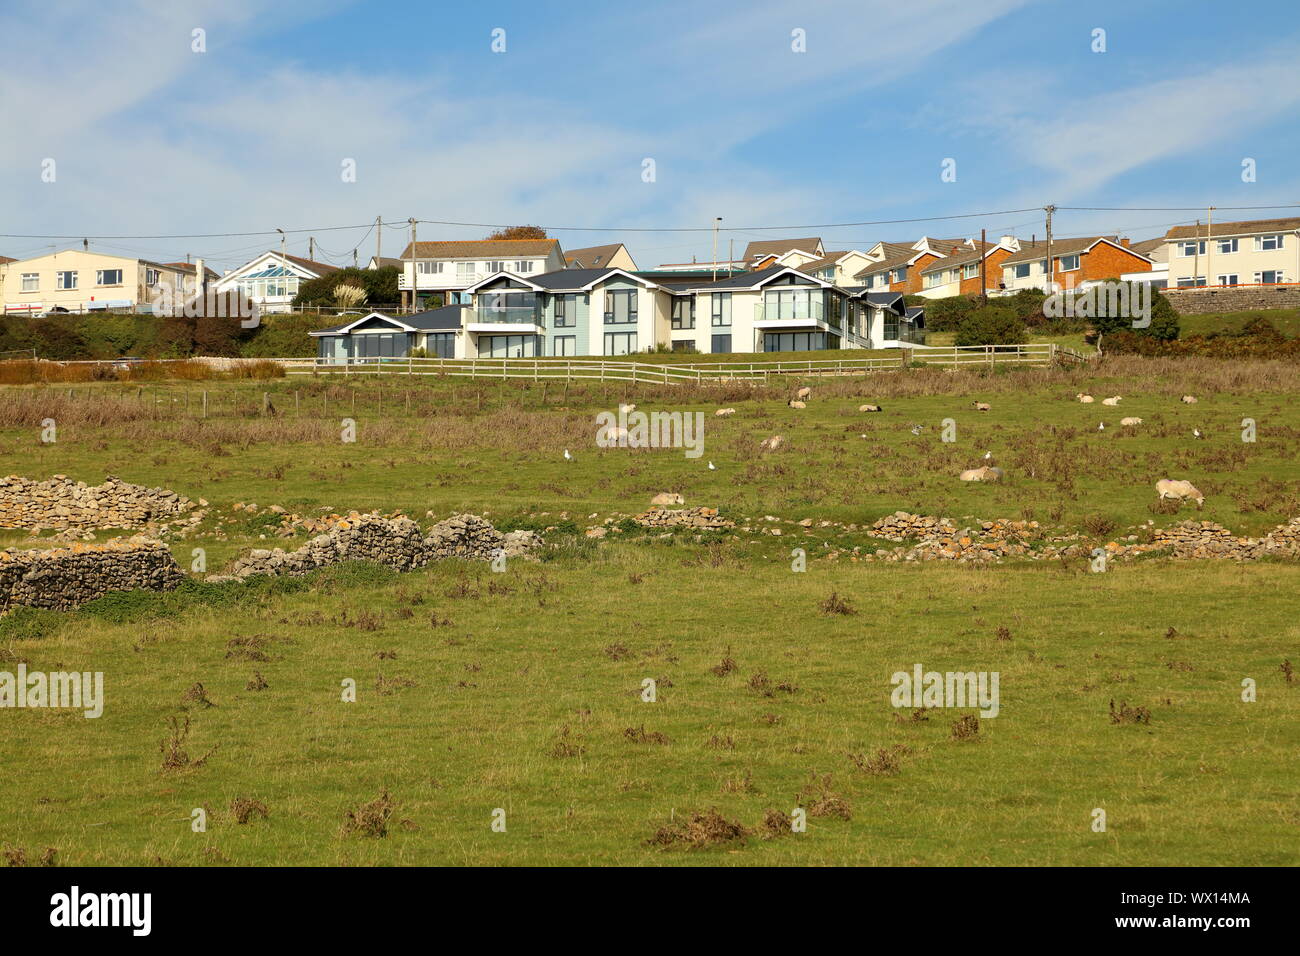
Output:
x=200 y=279
x=1124 y=243
x=1010 y=242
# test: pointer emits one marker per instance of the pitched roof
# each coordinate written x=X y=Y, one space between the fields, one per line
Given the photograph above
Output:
x=4 y=259
x=386 y=262
x=889 y=262
x=825 y=262
x=189 y=269
x=435 y=320
x=1033 y=251
x=592 y=257
x=320 y=268
x=1147 y=246
x=966 y=255
x=1242 y=227
x=481 y=248
x=774 y=247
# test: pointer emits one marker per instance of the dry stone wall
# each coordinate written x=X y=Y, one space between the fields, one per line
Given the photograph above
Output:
x=60 y=502
x=396 y=542
x=66 y=578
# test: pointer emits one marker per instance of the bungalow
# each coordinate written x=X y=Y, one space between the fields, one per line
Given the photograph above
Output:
x=1251 y=252
x=611 y=256
x=446 y=269
x=377 y=335
x=1076 y=260
x=272 y=279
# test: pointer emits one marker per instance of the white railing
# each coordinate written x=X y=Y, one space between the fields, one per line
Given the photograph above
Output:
x=600 y=368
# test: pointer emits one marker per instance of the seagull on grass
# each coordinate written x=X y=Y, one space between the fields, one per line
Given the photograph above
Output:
x=1101 y=426
x=711 y=468
x=1197 y=433
x=567 y=456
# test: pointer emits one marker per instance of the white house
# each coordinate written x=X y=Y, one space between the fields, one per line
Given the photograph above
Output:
x=272 y=279
x=448 y=268
x=1251 y=252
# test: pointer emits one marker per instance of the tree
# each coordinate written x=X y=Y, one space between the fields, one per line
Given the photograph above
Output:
x=520 y=232
x=380 y=286
x=991 y=325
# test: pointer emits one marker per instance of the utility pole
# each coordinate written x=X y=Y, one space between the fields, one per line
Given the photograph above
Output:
x=1209 y=242
x=984 y=270
x=1196 y=253
x=379 y=236
x=281 y=232
x=354 y=258
x=311 y=248
x=716 y=220
x=1051 y=266
x=414 y=278
x=85 y=245
x=731 y=256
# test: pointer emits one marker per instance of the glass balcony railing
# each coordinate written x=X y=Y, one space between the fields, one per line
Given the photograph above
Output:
x=513 y=314
x=790 y=308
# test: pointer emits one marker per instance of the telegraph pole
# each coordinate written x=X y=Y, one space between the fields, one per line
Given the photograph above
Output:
x=1051 y=266
x=379 y=236
x=1209 y=242
x=984 y=270
x=414 y=277
x=311 y=248
x=716 y=220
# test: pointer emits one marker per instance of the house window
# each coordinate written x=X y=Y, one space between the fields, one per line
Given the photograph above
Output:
x=620 y=343
x=151 y=276
x=721 y=310
x=1069 y=263
x=620 y=308
x=380 y=344
x=108 y=277
x=1270 y=277
x=524 y=265
x=683 y=312
x=1227 y=245
x=900 y=275
x=507 y=346
x=932 y=279
x=429 y=268
x=721 y=343
x=970 y=270
x=794 y=341
x=1268 y=243
x=31 y=281
x=465 y=270
x=65 y=280
x=1230 y=279
x=1191 y=249
x=1195 y=282
x=441 y=344
x=1021 y=270
x=565 y=345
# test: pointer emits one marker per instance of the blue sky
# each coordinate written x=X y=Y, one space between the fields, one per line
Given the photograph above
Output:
x=151 y=138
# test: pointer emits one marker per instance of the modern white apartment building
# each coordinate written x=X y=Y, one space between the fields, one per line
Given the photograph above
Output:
x=446 y=269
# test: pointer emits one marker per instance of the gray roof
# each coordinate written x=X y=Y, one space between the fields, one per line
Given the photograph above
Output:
x=776 y=247
x=434 y=320
x=1065 y=246
x=568 y=280
x=592 y=257
x=743 y=280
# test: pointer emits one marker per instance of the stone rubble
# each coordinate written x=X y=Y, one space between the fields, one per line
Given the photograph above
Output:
x=66 y=578
x=683 y=518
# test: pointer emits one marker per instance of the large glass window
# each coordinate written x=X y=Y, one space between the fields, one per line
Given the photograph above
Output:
x=620 y=308
x=791 y=304
x=1191 y=249
x=683 y=312
x=507 y=346
x=564 y=345
x=1265 y=243
x=1269 y=277
x=721 y=343
x=620 y=343
x=1069 y=263
x=793 y=341
x=65 y=280
x=721 y=311
x=441 y=344
x=565 y=311
x=380 y=344
x=1227 y=246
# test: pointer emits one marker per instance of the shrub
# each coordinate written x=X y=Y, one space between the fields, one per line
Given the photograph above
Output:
x=945 y=315
x=991 y=325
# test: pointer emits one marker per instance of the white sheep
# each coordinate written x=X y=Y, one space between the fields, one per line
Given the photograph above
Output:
x=981 y=406
x=1131 y=420
x=870 y=408
x=1112 y=401
x=668 y=498
x=1085 y=399
x=804 y=393
x=797 y=404
x=1179 y=490
x=771 y=444
x=724 y=412
x=626 y=409
x=983 y=473
x=1189 y=399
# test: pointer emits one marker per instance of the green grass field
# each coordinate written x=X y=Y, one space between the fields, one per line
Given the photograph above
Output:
x=523 y=690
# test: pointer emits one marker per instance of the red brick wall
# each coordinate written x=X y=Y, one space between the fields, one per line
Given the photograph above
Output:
x=1103 y=262
x=993 y=273
x=913 y=284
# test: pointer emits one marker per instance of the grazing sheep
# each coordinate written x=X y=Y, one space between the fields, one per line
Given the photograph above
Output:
x=1179 y=490
x=797 y=404
x=1189 y=399
x=1085 y=399
x=983 y=473
x=981 y=406
x=1131 y=420
x=771 y=444
x=668 y=498
x=870 y=408
x=803 y=394
x=616 y=434
x=723 y=412
x=1112 y=401
x=626 y=409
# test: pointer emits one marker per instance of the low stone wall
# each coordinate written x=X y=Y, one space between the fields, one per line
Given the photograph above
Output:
x=396 y=542
x=60 y=502
x=1238 y=299
x=65 y=578
x=683 y=518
